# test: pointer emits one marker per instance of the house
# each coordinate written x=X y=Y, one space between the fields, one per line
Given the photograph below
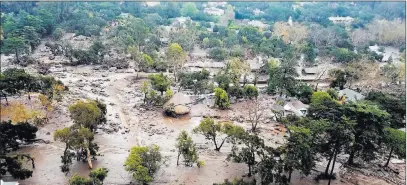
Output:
x=257 y=11
x=8 y=183
x=258 y=24
x=217 y=4
x=310 y=71
x=341 y=20
x=351 y=95
x=296 y=107
x=181 y=22
x=214 y=11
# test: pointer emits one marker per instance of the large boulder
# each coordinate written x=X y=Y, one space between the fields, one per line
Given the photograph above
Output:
x=181 y=109
x=177 y=105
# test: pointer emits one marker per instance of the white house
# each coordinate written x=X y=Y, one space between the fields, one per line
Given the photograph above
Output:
x=214 y=11
x=296 y=107
x=258 y=24
x=343 y=20
x=8 y=183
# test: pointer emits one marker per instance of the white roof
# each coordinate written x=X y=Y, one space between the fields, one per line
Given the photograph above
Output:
x=351 y=95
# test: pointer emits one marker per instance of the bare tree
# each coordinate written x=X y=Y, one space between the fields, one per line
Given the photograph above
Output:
x=319 y=77
x=255 y=113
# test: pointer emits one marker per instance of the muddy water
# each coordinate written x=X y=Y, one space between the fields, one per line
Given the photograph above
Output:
x=145 y=128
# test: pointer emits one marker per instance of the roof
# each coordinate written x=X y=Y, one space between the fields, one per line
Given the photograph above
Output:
x=9 y=183
x=257 y=23
x=297 y=105
x=277 y=107
x=310 y=70
x=179 y=99
x=351 y=95
x=337 y=18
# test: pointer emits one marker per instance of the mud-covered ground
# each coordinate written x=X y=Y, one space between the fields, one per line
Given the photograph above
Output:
x=130 y=124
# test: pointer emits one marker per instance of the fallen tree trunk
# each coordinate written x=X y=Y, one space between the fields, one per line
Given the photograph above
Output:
x=89 y=159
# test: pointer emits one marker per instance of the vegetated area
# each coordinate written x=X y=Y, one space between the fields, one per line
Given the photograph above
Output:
x=226 y=93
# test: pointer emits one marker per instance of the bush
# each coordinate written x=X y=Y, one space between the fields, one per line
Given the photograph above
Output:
x=250 y=91
x=218 y=53
x=221 y=98
x=236 y=91
x=58 y=34
x=160 y=82
x=237 y=52
x=25 y=61
x=144 y=162
x=343 y=55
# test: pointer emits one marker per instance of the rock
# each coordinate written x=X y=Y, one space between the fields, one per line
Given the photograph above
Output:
x=113 y=69
x=181 y=109
x=48 y=133
x=52 y=57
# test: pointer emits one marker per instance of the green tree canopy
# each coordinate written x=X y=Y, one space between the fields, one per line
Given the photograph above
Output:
x=212 y=131
x=395 y=141
x=221 y=98
x=143 y=162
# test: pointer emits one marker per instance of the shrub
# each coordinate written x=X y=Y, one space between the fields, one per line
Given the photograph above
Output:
x=221 y=98
x=250 y=91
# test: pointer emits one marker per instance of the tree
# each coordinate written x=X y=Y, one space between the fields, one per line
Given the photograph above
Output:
x=187 y=148
x=212 y=131
x=98 y=175
x=223 y=80
x=11 y=137
x=143 y=162
x=299 y=151
x=282 y=77
x=197 y=81
x=252 y=144
x=185 y=37
x=236 y=67
x=250 y=91
x=334 y=95
x=58 y=33
x=339 y=77
x=13 y=81
x=189 y=9
x=304 y=93
x=395 y=141
x=132 y=33
x=218 y=53
x=368 y=131
x=85 y=114
x=153 y=20
x=394 y=105
x=343 y=55
x=46 y=102
x=177 y=57
x=221 y=98
x=145 y=88
x=320 y=97
x=14 y=45
x=31 y=37
x=205 y=42
x=159 y=82
x=78 y=139
x=338 y=139
x=290 y=34
x=391 y=72
x=255 y=113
